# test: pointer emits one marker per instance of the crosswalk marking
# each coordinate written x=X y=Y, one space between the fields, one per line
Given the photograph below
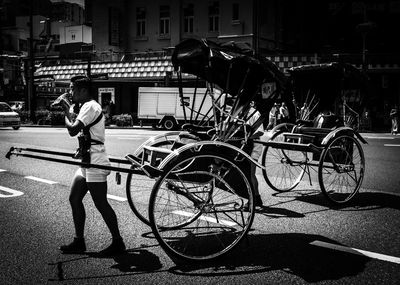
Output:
x=14 y=193
x=353 y=250
x=122 y=199
x=41 y=180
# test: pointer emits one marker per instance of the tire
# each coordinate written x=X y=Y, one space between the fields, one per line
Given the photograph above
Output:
x=16 y=127
x=138 y=190
x=341 y=169
x=283 y=169
x=169 y=124
x=205 y=218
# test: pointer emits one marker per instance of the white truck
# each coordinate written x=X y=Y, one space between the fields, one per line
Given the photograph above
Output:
x=163 y=105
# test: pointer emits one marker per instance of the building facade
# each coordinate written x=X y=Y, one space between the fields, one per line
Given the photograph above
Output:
x=125 y=32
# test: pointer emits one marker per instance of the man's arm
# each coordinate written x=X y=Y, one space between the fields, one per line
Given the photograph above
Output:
x=73 y=127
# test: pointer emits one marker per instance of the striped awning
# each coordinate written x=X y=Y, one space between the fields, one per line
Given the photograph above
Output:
x=142 y=68
x=284 y=62
x=158 y=67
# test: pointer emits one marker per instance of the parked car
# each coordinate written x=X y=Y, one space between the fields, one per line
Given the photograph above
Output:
x=9 y=118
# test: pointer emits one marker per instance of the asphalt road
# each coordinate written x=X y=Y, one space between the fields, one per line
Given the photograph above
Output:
x=296 y=238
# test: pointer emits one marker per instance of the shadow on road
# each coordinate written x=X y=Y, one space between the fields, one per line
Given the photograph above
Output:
x=275 y=212
x=291 y=253
x=134 y=261
x=362 y=201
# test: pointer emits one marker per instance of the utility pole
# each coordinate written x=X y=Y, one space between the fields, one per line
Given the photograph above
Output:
x=31 y=66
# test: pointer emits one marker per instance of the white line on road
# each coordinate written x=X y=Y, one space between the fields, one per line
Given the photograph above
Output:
x=41 y=180
x=130 y=138
x=207 y=219
x=379 y=138
x=353 y=250
x=14 y=193
x=3 y=170
x=387 y=144
x=122 y=199
x=126 y=135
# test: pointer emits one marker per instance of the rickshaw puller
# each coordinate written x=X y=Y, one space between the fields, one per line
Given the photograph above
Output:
x=90 y=122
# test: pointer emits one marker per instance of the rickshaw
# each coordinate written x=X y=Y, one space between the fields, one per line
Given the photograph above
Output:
x=319 y=141
x=196 y=192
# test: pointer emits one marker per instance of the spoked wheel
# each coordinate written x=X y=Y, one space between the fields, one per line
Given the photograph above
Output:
x=138 y=189
x=341 y=169
x=284 y=169
x=202 y=211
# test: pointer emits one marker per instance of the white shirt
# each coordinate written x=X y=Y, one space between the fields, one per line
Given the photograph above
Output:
x=284 y=111
x=88 y=114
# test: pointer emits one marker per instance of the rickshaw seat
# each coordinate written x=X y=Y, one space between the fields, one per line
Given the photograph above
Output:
x=199 y=131
x=321 y=126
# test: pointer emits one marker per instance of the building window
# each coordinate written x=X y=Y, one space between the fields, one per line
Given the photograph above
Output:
x=213 y=17
x=140 y=21
x=23 y=45
x=235 y=12
x=164 y=20
x=188 y=18
x=113 y=26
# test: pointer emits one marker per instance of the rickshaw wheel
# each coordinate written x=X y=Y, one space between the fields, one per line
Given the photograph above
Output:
x=203 y=211
x=138 y=190
x=341 y=169
x=284 y=169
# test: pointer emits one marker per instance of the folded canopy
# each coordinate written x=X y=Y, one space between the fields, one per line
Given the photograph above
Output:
x=232 y=66
x=327 y=83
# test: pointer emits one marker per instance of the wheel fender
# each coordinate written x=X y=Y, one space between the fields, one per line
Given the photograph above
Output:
x=342 y=131
x=158 y=138
x=198 y=146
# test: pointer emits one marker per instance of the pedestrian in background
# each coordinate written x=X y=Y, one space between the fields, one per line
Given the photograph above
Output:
x=394 y=116
x=272 y=116
x=284 y=113
x=90 y=120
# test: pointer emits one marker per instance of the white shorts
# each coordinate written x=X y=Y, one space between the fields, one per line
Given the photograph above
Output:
x=95 y=174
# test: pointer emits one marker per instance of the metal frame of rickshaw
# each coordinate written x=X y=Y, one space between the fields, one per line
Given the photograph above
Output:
x=165 y=170
x=304 y=139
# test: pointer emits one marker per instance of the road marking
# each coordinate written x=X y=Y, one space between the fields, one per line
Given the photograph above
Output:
x=386 y=144
x=353 y=250
x=14 y=193
x=126 y=135
x=3 y=170
x=109 y=196
x=130 y=138
x=204 y=218
x=40 y=180
x=379 y=138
